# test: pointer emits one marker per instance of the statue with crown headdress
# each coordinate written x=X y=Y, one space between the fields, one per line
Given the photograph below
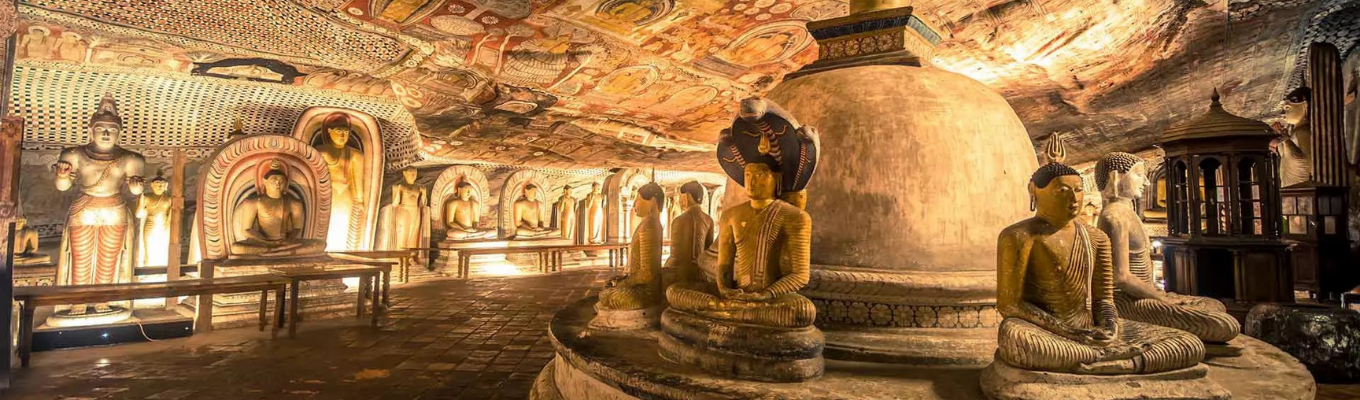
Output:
x=96 y=244
x=765 y=326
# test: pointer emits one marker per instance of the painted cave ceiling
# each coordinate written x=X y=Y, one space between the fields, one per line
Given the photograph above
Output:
x=603 y=83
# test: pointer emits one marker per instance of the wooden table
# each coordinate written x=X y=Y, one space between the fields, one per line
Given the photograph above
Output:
x=405 y=259
x=368 y=273
x=34 y=296
x=549 y=255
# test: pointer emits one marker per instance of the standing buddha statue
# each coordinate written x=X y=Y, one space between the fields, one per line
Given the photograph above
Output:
x=1120 y=178
x=566 y=214
x=405 y=221
x=95 y=246
x=594 y=215
x=632 y=300
x=153 y=209
x=346 y=165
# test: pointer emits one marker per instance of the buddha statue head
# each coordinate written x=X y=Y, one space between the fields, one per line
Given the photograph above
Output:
x=649 y=201
x=1120 y=176
x=531 y=192
x=274 y=181
x=106 y=125
x=691 y=194
x=464 y=191
x=1296 y=105
x=762 y=180
x=566 y=191
x=159 y=185
x=338 y=127
x=408 y=175
x=1057 y=193
x=595 y=188
x=20 y=223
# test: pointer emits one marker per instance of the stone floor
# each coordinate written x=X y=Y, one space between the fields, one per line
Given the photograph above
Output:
x=477 y=339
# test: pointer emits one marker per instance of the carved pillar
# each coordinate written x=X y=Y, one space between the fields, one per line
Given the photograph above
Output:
x=1326 y=114
x=11 y=137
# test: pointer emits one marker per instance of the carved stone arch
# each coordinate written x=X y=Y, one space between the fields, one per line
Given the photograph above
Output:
x=231 y=173
x=446 y=186
x=512 y=191
x=619 y=190
x=309 y=129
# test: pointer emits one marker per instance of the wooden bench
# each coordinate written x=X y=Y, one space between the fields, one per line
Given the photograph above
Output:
x=405 y=259
x=34 y=296
x=549 y=255
x=368 y=273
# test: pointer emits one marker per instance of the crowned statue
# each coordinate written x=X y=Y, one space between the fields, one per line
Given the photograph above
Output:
x=763 y=260
x=462 y=214
x=269 y=222
x=633 y=300
x=96 y=245
x=1120 y=178
x=153 y=210
x=405 y=223
x=346 y=165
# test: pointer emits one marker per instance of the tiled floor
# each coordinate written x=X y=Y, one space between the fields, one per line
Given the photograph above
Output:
x=478 y=339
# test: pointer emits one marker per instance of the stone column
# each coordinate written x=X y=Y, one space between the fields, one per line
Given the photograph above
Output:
x=11 y=137
x=920 y=170
x=1326 y=115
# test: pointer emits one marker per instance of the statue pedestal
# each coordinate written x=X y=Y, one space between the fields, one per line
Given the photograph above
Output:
x=626 y=320
x=610 y=365
x=742 y=351
x=1003 y=382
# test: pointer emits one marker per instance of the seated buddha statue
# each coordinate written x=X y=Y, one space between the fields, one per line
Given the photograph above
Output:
x=269 y=222
x=1048 y=266
x=752 y=323
x=763 y=259
x=462 y=214
x=639 y=288
x=26 y=245
x=691 y=235
x=528 y=215
x=1120 y=178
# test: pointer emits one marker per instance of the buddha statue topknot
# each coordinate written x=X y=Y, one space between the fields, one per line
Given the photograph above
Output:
x=1120 y=178
x=1056 y=292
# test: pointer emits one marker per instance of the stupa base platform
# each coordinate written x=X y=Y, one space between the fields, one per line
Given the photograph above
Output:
x=596 y=365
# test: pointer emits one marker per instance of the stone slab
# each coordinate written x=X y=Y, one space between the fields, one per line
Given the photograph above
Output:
x=1003 y=382
x=593 y=365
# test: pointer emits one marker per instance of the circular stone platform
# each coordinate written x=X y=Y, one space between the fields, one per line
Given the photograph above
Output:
x=597 y=365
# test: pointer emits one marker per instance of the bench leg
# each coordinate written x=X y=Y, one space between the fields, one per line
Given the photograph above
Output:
x=363 y=293
x=293 y=308
x=387 y=288
x=278 y=310
x=376 y=303
x=264 y=308
x=26 y=333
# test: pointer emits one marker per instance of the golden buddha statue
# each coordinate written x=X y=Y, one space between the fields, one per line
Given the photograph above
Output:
x=153 y=209
x=763 y=260
x=404 y=223
x=639 y=288
x=1055 y=288
x=566 y=214
x=1296 y=165
x=528 y=215
x=95 y=246
x=346 y=165
x=269 y=222
x=691 y=234
x=462 y=214
x=594 y=215
x=26 y=245
x=1120 y=178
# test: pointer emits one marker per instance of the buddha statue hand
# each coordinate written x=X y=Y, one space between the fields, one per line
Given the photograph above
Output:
x=741 y=295
x=612 y=282
x=135 y=184
x=63 y=169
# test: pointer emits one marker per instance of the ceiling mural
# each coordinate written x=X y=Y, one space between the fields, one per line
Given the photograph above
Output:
x=610 y=83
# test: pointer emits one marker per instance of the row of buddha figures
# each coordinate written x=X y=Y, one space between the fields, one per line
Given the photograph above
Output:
x=104 y=239
x=748 y=321
x=1080 y=305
